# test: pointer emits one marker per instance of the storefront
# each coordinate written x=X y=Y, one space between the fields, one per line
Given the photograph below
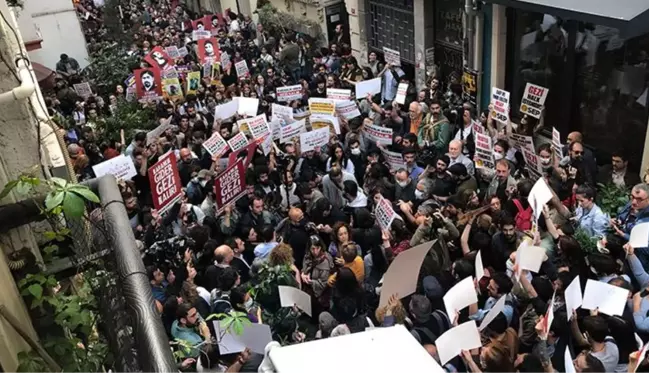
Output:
x=595 y=67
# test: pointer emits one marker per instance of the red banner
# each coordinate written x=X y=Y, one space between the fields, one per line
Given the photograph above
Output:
x=166 y=187
x=230 y=185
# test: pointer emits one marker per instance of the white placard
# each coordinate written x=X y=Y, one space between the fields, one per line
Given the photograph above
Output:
x=395 y=160
x=539 y=196
x=200 y=34
x=258 y=126
x=154 y=134
x=320 y=121
x=238 y=142
x=639 y=235
x=248 y=106
x=573 y=296
x=463 y=337
x=530 y=257
x=372 y=86
x=288 y=93
x=556 y=143
x=479 y=267
x=400 y=278
x=392 y=56
x=323 y=106
x=121 y=167
x=382 y=135
x=292 y=130
x=384 y=213
x=281 y=112
x=500 y=102
x=227 y=110
x=290 y=296
x=460 y=296
x=339 y=94
x=314 y=139
x=216 y=145
x=484 y=157
x=347 y=109
x=609 y=299
x=567 y=360
x=493 y=312
x=522 y=142
x=402 y=91
x=533 y=100
x=242 y=69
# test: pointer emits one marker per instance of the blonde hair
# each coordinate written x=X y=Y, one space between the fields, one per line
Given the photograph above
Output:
x=398 y=312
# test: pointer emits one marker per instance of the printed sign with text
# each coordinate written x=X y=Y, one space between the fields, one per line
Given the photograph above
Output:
x=533 y=100
x=216 y=145
x=238 y=142
x=382 y=135
x=500 y=102
x=384 y=213
x=230 y=186
x=314 y=139
x=322 y=106
x=392 y=56
x=288 y=93
x=484 y=152
x=339 y=94
x=166 y=187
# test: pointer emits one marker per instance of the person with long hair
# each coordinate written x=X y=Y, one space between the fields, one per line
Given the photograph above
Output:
x=282 y=254
x=340 y=235
x=337 y=155
x=316 y=267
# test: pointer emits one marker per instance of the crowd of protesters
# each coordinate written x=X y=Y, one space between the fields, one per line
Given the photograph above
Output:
x=314 y=212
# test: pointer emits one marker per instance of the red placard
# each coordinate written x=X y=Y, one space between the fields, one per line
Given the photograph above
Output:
x=148 y=83
x=208 y=50
x=159 y=58
x=230 y=185
x=164 y=179
x=250 y=153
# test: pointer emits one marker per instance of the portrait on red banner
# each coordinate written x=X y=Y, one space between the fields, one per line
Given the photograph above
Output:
x=159 y=58
x=148 y=83
x=199 y=24
x=208 y=50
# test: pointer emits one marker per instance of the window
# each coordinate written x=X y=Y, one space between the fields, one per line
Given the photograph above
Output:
x=597 y=81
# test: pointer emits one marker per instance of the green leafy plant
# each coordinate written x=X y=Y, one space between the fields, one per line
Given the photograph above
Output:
x=131 y=117
x=67 y=318
x=278 y=23
x=110 y=67
x=587 y=242
x=611 y=198
x=233 y=322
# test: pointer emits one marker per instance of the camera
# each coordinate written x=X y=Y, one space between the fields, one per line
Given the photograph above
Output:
x=169 y=252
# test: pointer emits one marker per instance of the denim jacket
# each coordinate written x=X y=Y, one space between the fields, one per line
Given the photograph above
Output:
x=594 y=221
x=628 y=222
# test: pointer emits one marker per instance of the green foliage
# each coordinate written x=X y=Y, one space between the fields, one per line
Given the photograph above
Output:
x=70 y=337
x=611 y=198
x=110 y=67
x=587 y=242
x=131 y=117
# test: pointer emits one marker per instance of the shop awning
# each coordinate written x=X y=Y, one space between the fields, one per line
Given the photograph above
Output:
x=631 y=17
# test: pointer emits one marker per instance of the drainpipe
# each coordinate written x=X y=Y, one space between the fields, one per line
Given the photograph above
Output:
x=26 y=87
x=469 y=33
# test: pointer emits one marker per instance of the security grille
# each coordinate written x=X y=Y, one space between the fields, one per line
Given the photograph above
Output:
x=391 y=25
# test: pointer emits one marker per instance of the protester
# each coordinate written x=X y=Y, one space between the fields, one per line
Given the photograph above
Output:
x=236 y=205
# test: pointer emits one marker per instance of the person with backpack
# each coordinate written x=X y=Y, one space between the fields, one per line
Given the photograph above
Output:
x=523 y=213
x=427 y=325
x=220 y=296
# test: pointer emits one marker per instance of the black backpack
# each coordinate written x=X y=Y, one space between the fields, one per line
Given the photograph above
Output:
x=442 y=323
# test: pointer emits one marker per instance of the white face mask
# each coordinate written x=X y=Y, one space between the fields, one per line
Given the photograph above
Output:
x=419 y=194
x=356 y=151
x=203 y=183
x=545 y=161
x=498 y=156
x=402 y=184
x=248 y=304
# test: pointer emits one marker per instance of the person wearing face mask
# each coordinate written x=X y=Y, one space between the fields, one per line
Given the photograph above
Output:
x=358 y=158
x=404 y=188
x=196 y=188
